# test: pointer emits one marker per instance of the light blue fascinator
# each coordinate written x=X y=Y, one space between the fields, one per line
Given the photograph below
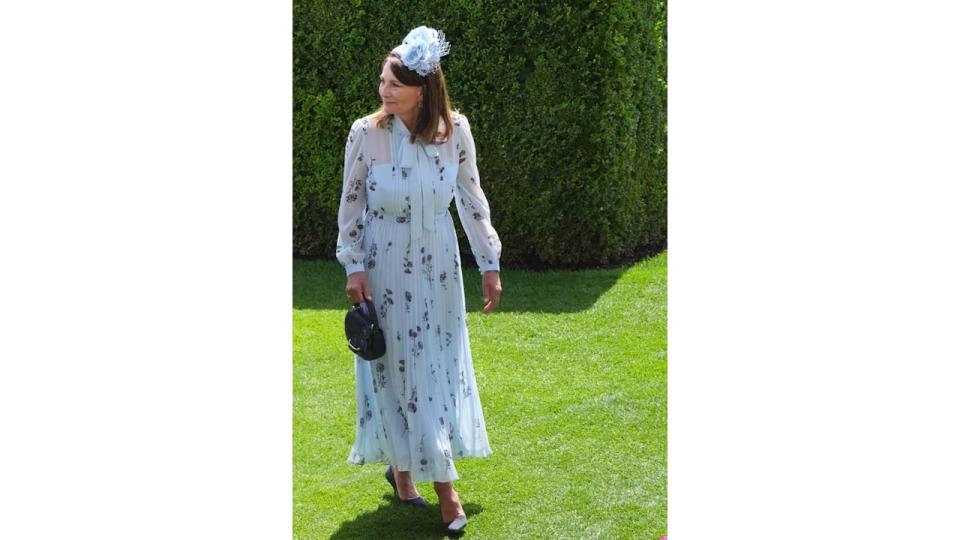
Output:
x=421 y=50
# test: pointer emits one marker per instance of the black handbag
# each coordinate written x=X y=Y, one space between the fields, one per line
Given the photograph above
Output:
x=364 y=336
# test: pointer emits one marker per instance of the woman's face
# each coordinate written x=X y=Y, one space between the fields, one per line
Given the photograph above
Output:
x=397 y=97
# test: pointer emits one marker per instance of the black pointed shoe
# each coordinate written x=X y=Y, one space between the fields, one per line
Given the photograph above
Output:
x=416 y=501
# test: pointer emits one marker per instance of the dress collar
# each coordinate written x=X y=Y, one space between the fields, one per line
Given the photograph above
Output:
x=398 y=126
x=401 y=129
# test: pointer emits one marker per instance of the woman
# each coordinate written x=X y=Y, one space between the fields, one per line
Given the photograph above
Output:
x=417 y=406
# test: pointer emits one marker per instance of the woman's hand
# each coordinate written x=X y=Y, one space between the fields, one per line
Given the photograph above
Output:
x=357 y=287
x=491 y=290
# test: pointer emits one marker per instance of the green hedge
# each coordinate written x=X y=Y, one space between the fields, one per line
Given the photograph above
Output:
x=567 y=102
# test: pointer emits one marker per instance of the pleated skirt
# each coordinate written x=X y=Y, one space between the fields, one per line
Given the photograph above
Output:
x=417 y=406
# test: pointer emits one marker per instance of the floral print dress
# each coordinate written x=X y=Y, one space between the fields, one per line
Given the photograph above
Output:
x=417 y=406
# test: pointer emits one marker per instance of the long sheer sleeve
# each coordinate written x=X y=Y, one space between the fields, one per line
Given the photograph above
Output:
x=472 y=205
x=353 y=202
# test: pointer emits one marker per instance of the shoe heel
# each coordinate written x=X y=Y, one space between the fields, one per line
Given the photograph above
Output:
x=388 y=474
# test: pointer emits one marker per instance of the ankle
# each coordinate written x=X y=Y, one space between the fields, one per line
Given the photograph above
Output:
x=405 y=484
x=443 y=488
x=450 y=506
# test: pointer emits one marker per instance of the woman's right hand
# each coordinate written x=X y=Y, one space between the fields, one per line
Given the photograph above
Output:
x=357 y=287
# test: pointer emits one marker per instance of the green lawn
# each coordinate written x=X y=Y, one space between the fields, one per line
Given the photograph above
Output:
x=572 y=374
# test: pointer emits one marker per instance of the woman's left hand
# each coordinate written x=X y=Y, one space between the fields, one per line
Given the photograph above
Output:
x=491 y=290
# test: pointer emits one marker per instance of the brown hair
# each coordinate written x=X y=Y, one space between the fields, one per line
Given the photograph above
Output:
x=436 y=103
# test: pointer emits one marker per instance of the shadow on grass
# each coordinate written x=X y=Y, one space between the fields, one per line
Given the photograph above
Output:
x=320 y=285
x=401 y=521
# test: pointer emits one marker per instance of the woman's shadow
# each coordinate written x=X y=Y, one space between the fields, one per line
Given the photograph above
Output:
x=395 y=520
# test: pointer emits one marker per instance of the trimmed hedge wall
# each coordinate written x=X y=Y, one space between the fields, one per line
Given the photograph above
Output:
x=567 y=102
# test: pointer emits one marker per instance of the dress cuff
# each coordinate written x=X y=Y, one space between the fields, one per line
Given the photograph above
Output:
x=354 y=267
x=495 y=265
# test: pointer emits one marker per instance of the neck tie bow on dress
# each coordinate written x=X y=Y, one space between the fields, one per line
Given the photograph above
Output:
x=418 y=159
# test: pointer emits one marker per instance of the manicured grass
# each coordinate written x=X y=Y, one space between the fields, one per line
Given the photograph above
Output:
x=572 y=374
